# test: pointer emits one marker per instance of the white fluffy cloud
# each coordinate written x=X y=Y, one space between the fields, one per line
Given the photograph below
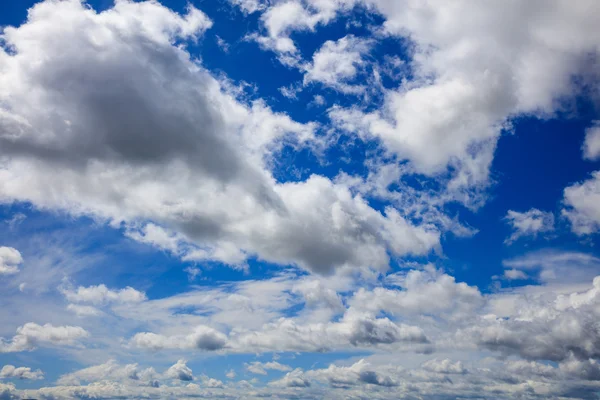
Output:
x=101 y=295
x=552 y=266
x=360 y=372
x=582 y=201
x=32 y=335
x=337 y=64
x=261 y=368
x=427 y=291
x=471 y=76
x=542 y=326
x=530 y=223
x=110 y=370
x=203 y=338
x=591 y=145
x=118 y=150
x=12 y=372
x=10 y=259
x=180 y=371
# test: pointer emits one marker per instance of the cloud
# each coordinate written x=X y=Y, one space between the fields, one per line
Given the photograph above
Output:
x=293 y=379
x=337 y=63
x=358 y=373
x=530 y=223
x=32 y=335
x=514 y=274
x=10 y=259
x=117 y=150
x=445 y=366
x=212 y=383
x=260 y=368
x=84 y=311
x=180 y=371
x=591 y=145
x=554 y=266
x=427 y=291
x=582 y=201
x=203 y=338
x=544 y=327
x=110 y=370
x=470 y=78
x=101 y=295
x=355 y=329
x=12 y=372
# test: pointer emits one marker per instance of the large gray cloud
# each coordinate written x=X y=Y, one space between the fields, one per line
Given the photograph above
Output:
x=106 y=114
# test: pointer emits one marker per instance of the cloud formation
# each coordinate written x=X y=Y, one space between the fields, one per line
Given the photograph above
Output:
x=10 y=259
x=117 y=150
x=32 y=335
x=529 y=223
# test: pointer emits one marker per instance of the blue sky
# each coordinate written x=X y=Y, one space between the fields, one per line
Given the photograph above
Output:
x=299 y=199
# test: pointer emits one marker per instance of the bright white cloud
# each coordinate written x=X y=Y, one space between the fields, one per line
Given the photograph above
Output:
x=337 y=64
x=10 y=259
x=12 y=372
x=261 y=368
x=582 y=201
x=553 y=266
x=530 y=223
x=110 y=370
x=84 y=311
x=514 y=274
x=101 y=295
x=427 y=291
x=360 y=372
x=591 y=145
x=203 y=338
x=32 y=335
x=180 y=371
x=471 y=76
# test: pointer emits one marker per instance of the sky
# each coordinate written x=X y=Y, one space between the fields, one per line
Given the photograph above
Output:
x=299 y=199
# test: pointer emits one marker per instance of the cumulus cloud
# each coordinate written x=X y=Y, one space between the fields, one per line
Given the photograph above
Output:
x=203 y=338
x=180 y=371
x=470 y=76
x=445 y=366
x=354 y=329
x=32 y=335
x=110 y=370
x=514 y=274
x=360 y=372
x=212 y=383
x=553 y=266
x=530 y=223
x=552 y=327
x=293 y=379
x=582 y=201
x=117 y=150
x=591 y=145
x=12 y=372
x=84 y=311
x=101 y=295
x=427 y=291
x=337 y=64
x=260 y=368
x=10 y=259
